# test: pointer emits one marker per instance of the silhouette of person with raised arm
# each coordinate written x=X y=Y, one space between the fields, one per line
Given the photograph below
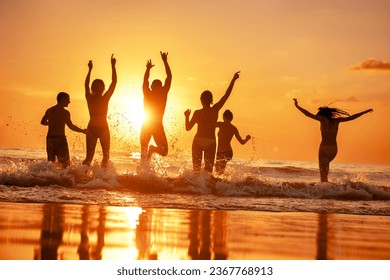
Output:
x=97 y=101
x=329 y=118
x=225 y=134
x=155 y=100
x=204 y=143
x=56 y=118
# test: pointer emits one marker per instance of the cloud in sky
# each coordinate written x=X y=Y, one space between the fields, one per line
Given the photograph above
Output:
x=372 y=64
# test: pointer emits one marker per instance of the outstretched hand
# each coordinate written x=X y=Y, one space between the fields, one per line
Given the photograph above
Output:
x=90 y=65
x=187 y=113
x=113 y=60
x=295 y=101
x=248 y=137
x=164 y=56
x=236 y=75
x=149 y=64
x=370 y=110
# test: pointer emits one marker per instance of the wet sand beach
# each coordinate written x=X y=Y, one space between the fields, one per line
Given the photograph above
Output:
x=69 y=231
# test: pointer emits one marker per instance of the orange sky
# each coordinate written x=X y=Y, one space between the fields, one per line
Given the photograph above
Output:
x=320 y=52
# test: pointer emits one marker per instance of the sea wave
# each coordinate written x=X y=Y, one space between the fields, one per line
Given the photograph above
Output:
x=254 y=182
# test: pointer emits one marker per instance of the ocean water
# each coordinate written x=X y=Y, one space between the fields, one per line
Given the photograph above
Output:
x=168 y=182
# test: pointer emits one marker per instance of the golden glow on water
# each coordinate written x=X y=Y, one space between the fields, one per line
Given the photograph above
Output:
x=58 y=231
x=132 y=215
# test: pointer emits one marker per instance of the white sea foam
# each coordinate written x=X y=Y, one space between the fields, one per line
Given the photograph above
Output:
x=170 y=181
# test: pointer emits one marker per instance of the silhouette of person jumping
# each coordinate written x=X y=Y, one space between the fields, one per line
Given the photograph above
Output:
x=155 y=100
x=97 y=101
x=225 y=134
x=329 y=118
x=56 y=118
x=204 y=143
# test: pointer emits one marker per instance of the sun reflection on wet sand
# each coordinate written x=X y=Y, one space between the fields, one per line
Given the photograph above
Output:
x=91 y=232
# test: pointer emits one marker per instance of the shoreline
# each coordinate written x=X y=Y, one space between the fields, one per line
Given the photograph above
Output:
x=72 y=231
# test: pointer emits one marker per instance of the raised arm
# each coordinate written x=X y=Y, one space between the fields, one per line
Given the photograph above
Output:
x=149 y=65
x=225 y=97
x=304 y=111
x=239 y=138
x=112 y=86
x=87 y=79
x=355 y=116
x=189 y=123
x=168 y=80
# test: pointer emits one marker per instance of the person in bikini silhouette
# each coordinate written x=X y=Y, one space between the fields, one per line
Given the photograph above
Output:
x=329 y=119
x=204 y=143
x=225 y=134
x=97 y=101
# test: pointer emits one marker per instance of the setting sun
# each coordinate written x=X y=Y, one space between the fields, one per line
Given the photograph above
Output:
x=133 y=111
x=127 y=112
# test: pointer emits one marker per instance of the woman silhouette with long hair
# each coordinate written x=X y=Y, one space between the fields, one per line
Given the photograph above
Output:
x=329 y=118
